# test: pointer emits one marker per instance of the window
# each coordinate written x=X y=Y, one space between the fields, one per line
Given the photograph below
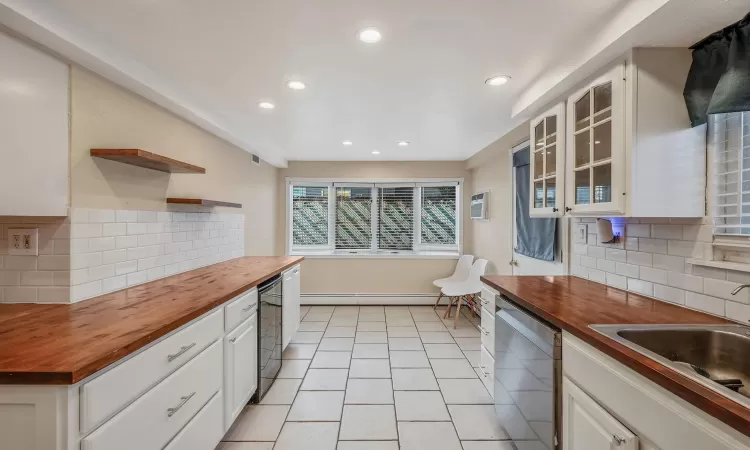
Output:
x=339 y=218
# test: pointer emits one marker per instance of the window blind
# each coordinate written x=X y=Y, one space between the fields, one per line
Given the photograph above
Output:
x=353 y=217
x=728 y=138
x=395 y=218
x=309 y=215
x=438 y=215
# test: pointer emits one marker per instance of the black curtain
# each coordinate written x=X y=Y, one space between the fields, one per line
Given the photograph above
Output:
x=719 y=78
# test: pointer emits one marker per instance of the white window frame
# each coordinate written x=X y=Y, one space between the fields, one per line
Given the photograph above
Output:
x=427 y=251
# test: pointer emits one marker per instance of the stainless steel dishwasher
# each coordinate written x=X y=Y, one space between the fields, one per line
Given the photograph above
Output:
x=528 y=377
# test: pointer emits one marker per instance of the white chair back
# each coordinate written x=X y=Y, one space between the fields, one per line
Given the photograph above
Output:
x=477 y=270
x=463 y=268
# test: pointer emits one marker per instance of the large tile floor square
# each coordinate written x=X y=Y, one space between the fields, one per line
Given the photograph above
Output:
x=377 y=378
x=368 y=423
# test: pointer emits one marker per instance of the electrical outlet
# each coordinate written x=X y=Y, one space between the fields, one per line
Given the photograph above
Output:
x=23 y=241
x=581 y=233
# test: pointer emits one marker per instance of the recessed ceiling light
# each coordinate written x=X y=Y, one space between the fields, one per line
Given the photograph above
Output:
x=497 y=81
x=295 y=85
x=266 y=105
x=403 y=143
x=370 y=35
x=347 y=143
x=375 y=152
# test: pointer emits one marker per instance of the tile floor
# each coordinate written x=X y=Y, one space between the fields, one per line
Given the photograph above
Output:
x=375 y=378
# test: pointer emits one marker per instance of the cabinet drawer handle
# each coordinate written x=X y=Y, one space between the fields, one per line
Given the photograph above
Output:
x=296 y=271
x=171 y=411
x=484 y=302
x=617 y=440
x=183 y=349
x=233 y=340
x=484 y=332
x=248 y=307
x=481 y=369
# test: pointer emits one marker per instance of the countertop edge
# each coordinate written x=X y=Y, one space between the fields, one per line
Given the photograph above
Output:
x=712 y=403
x=87 y=370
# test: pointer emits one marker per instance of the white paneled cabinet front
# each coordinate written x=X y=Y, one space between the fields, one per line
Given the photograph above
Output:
x=240 y=368
x=290 y=304
x=34 y=124
x=547 y=163
x=588 y=426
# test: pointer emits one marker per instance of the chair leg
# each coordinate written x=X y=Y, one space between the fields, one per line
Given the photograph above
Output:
x=448 y=310
x=458 y=311
x=438 y=300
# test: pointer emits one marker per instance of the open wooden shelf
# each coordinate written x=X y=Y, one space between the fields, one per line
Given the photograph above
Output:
x=202 y=202
x=148 y=160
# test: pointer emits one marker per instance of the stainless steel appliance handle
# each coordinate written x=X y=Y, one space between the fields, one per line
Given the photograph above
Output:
x=248 y=307
x=171 y=411
x=183 y=349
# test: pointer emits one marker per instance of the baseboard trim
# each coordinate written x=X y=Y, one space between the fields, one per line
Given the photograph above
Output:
x=369 y=299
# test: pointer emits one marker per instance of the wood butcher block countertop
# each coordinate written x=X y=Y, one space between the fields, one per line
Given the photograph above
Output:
x=572 y=304
x=63 y=344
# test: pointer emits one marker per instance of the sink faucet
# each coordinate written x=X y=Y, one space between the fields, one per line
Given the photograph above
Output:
x=739 y=288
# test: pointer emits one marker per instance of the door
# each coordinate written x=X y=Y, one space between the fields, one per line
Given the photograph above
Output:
x=525 y=265
x=290 y=304
x=588 y=426
x=595 y=164
x=547 y=163
x=240 y=367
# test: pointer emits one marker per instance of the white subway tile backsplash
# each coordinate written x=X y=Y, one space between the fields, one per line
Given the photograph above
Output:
x=685 y=281
x=688 y=249
x=631 y=243
x=596 y=252
x=586 y=261
x=699 y=233
x=598 y=276
x=616 y=255
x=638 y=230
x=710 y=272
x=738 y=312
x=641 y=287
x=723 y=289
x=627 y=270
x=575 y=270
x=52 y=294
x=654 y=275
x=21 y=294
x=578 y=249
x=666 y=231
x=652 y=245
x=705 y=303
x=134 y=247
x=36 y=278
x=738 y=277
x=20 y=262
x=617 y=281
x=671 y=263
x=669 y=294
x=640 y=258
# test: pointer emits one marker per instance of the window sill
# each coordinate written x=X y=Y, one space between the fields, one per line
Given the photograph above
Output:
x=739 y=267
x=377 y=256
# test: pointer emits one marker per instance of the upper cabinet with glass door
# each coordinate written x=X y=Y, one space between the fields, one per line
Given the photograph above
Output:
x=630 y=149
x=595 y=142
x=547 y=163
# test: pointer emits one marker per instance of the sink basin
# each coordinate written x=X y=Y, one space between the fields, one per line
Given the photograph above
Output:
x=715 y=356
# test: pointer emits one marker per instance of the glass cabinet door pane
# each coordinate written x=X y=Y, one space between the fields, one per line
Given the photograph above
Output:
x=602 y=101
x=583 y=111
x=551 y=122
x=539 y=136
x=551 y=157
x=582 y=190
x=539 y=194
x=583 y=148
x=603 y=183
x=603 y=141
x=538 y=164
x=550 y=192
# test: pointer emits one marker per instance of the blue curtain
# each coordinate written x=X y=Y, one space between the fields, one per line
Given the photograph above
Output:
x=534 y=237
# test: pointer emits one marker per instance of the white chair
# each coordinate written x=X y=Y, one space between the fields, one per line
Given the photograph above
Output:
x=465 y=289
x=460 y=274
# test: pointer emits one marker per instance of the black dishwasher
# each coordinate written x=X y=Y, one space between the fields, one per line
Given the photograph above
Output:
x=269 y=335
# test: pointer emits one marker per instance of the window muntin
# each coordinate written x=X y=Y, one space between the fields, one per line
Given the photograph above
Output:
x=309 y=216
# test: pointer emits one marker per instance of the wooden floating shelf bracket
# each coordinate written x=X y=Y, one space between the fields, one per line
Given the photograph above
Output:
x=148 y=160
x=202 y=202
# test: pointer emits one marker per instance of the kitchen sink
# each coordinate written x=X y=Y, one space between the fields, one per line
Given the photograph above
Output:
x=715 y=356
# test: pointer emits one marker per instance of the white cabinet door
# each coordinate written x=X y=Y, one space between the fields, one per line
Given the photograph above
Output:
x=34 y=150
x=547 y=161
x=240 y=368
x=595 y=164
x=588 y=426
x=291 y=304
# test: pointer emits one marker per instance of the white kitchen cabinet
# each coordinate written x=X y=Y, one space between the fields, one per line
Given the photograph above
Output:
x=240 y=368
x=588 y=426
x=630 y=149
x=34 y=126
x=547 y=160
x=290 y=304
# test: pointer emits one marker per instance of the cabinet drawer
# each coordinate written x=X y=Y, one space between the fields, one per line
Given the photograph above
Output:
x=487 y=372
x=488 y=331
x=203 y=432
x=240 y=309
x=154 y=419
x=487 y=297
x=105 y=395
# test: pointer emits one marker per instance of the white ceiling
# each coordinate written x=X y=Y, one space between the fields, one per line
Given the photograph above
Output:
x=215 y=60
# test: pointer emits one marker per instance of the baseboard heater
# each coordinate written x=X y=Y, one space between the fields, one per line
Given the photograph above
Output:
x=369 y=299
